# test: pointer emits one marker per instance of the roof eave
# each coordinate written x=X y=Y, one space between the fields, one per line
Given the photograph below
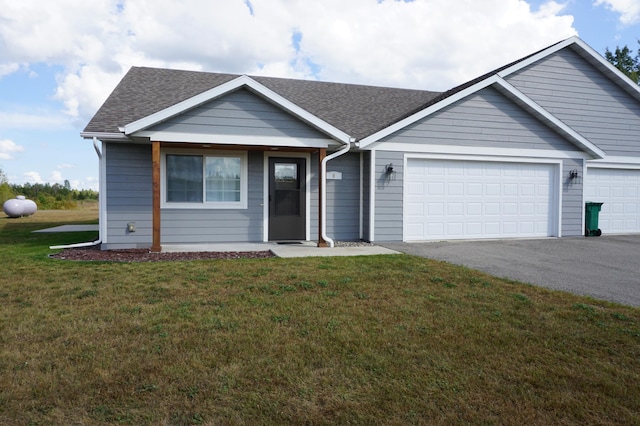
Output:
x=104 y=136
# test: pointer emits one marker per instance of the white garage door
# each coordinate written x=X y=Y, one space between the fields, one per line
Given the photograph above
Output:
x=619 y=190
x=472 y=199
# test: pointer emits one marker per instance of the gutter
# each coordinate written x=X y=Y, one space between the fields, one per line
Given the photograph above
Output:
x=99 y=240
x=323 y=173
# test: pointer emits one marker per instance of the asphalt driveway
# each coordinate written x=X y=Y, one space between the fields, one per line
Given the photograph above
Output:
x=606 y=267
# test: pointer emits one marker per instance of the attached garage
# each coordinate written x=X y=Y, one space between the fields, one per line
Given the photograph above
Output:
x=619 y=190
x=454 y=199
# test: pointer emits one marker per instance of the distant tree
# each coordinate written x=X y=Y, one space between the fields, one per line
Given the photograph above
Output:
x=6 y=193
x=625 y=61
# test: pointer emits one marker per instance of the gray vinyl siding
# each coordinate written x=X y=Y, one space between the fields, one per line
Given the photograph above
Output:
x=343 y=198
x=314 y=195
x=128 y=195
x=239 y=113
x=388 y=197
x=129 y=199
x=179 y=226
x=484 y=119
x=572 y=205
x=366 y=195
x=580 y=95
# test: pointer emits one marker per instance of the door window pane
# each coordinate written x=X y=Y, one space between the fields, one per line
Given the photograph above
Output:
x=286 y=189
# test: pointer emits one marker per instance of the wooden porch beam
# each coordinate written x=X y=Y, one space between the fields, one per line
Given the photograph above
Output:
x=155 y=159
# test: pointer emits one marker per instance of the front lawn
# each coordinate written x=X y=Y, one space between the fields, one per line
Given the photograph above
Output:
x=351 y=340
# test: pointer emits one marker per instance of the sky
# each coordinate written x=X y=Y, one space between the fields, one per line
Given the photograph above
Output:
x=60 y=59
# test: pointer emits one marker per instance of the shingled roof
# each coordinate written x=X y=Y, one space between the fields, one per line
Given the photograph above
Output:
x=355 y=109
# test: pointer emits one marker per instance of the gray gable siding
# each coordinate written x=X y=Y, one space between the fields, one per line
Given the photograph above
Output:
x=129 y=195
x=573 y=90
x=239 y=113
x=388 y=197
x=486 y=119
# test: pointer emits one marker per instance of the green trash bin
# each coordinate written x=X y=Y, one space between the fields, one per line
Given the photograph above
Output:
x=591 y=219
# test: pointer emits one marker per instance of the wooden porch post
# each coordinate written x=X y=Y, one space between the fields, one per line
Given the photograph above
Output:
x=155 y=158
x=321 y=200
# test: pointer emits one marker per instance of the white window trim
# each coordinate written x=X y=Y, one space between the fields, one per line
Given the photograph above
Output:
x=206 y=205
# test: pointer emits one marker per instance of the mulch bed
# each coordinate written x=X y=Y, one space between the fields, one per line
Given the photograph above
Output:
x=144 y=255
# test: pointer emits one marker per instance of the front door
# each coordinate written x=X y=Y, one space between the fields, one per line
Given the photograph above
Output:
x=287 y=199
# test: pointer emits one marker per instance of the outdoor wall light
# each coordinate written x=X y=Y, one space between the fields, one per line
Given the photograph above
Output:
x=389 y=168
x=573 y=174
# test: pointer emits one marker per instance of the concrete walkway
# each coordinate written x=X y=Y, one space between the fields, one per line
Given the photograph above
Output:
x=68 y=228
x=305 y=249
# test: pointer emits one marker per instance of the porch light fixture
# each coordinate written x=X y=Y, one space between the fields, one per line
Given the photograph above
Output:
x=573 y=174
x=389 y=168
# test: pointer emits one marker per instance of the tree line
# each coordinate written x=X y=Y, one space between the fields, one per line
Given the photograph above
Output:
x=626 y=61
x=47 y=196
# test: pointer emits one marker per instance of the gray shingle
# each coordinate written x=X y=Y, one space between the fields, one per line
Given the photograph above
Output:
x=355 y=109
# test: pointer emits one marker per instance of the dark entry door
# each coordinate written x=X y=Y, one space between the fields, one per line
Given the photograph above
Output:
x=287 y=199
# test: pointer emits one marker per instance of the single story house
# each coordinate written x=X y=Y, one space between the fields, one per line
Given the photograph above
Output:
x=195 y=157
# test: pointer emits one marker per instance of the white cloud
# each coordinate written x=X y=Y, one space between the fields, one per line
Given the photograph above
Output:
x=56 y=177
x=64 y=166
x=33 y=177
x=629 y=10
x=44 y=121
x=425 y=44
x=8 y=149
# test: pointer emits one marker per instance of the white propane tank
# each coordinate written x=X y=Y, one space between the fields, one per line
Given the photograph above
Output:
x=19 y=207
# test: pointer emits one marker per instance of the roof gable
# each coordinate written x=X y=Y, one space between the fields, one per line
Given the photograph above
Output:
x=496 y=79
x=228 y=87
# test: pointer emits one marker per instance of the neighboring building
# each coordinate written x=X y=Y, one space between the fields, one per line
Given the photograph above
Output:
x=192 y=157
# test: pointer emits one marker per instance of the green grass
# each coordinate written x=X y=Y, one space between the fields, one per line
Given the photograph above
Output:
x=350 y=340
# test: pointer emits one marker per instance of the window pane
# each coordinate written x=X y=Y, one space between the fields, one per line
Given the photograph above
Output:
x=223 y=178
x=184 y=178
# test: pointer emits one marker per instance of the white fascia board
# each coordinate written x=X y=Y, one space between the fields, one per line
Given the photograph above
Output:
x=615 y=162
x=428 y=149
x=578 y=139
x=426 y=112
x=230 y=86
x=236 y=140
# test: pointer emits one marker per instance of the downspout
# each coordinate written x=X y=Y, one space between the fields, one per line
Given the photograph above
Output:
x=99 y=240
x=323 y=174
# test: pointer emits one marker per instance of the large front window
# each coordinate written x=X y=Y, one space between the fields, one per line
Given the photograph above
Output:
x=211 y=180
